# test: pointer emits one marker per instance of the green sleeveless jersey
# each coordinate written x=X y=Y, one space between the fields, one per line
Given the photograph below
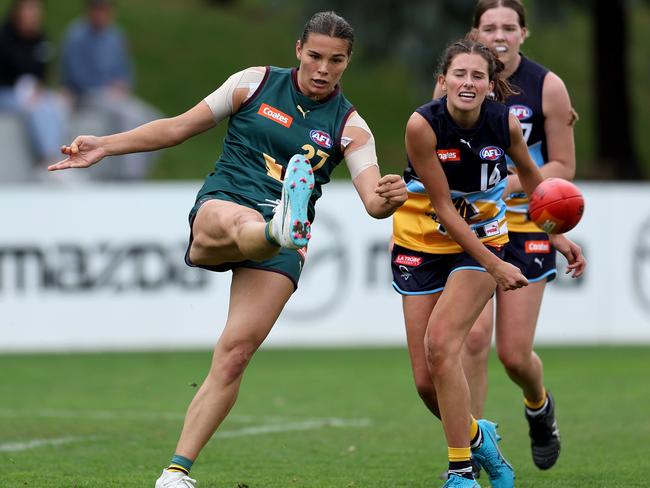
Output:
x=274 y=124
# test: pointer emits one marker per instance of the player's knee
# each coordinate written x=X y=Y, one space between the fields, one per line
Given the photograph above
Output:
x=478 y=342
x=513 y=360
x=239 y=220
x=440 y=351
x=234 y=360
x=245 y=216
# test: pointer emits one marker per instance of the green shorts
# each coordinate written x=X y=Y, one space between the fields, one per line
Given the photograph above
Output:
x=288 y=262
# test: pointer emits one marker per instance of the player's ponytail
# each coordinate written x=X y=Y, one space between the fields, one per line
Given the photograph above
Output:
x=502 y=87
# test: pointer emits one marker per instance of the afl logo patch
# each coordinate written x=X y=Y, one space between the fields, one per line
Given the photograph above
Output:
x=521 y=111
x=491 y=153
x=321 y=138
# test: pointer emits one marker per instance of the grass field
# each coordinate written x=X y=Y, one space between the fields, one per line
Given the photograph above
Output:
x=305 y=418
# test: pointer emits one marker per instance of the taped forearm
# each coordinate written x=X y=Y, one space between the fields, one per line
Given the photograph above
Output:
x=361 y=156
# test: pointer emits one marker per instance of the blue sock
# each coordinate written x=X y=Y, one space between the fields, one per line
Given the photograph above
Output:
x=180 y=463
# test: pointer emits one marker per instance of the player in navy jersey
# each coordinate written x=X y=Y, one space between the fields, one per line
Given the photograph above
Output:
x=253 y=214
x=449 y=240
x=544 y=110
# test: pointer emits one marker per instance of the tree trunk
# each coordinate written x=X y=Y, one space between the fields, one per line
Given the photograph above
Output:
x=616 y=154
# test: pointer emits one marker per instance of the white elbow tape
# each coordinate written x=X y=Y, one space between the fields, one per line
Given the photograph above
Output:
x=361 y=158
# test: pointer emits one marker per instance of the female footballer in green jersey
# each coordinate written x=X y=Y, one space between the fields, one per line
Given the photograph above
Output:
x=288 y=129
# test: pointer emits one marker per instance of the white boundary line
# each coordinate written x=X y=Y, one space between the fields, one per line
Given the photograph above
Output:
x=126 y=415
x=34 y=443
x=273 y=425
x=94 y=414
x=310 y=424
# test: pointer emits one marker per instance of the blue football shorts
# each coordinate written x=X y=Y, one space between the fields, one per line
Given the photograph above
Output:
x=533 y=254
x=420 y=273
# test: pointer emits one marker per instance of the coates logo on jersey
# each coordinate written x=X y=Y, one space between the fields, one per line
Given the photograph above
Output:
x=321 y=138
x=405 y=260
x=448 y=155
x=275 y=115
x=491 y=153
x=537 y=247
x=521 y=111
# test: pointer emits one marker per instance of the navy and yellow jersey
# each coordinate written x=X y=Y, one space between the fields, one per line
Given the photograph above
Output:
x=274 y=124
x=528 y=79
x=475 y=166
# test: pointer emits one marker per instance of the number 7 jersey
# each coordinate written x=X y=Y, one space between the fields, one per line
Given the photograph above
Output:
x=474 y=163
x=527 y=107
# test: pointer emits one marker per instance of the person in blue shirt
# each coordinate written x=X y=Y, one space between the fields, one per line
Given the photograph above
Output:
x=97 y=70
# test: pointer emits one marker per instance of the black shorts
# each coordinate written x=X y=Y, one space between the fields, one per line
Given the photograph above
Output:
x=420 y=273
x=533 y=254
x=288 y=262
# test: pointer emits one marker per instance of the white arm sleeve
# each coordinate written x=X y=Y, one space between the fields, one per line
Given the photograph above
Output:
x=220 y=100
x=363 y=156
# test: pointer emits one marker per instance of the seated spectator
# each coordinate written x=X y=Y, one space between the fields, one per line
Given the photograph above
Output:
x=24 y=56
x=96 y=68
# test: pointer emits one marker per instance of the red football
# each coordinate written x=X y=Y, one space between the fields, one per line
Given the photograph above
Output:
x=556 y=205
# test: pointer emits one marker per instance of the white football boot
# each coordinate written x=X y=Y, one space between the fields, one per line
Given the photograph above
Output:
x=174 y=479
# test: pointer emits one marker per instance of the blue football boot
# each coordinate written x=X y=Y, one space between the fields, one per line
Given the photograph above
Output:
x=456 y=481
x=490 y=458
x=290 y=227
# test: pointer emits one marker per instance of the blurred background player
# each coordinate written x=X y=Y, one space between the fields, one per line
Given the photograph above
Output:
x=544 y=109
x=97 y=70
x=253 y=215
x=25 y=54
x=449 y=239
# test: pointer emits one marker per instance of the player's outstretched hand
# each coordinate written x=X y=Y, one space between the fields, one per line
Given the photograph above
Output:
x=508 y=276
x=572 y=252
x=82 y=153
x=393 y=189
